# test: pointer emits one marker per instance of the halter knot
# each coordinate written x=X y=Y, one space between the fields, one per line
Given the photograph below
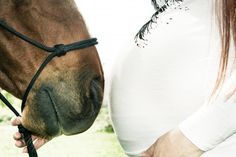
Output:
x=60 y=50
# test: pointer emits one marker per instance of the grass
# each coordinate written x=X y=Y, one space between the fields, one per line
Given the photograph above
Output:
x=98 y=141
x=89 y=144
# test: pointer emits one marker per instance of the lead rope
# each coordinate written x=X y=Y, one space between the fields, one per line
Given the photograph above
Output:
x=26 y=134
x=56 y=51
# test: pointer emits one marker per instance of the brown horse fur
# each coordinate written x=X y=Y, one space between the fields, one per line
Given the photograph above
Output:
x=68 y=94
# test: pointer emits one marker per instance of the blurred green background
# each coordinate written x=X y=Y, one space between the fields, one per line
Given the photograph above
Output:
x=98 y=141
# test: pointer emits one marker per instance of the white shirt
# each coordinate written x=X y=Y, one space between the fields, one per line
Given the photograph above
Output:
x=157 y=87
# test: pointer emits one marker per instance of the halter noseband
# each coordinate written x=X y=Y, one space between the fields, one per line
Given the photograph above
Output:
x=56 y=51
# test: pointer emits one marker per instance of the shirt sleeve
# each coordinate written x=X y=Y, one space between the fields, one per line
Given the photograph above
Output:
x=214 y=122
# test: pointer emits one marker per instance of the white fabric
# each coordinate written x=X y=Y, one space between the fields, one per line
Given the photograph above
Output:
x=210 y=125
x=155 y=88
x=215 y=122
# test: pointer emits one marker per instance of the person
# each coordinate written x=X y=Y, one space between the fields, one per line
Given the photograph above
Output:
x=169 y=97
x=164 y=100
x=20 y=143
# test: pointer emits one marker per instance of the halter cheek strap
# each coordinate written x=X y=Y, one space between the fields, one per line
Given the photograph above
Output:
x=58 y=50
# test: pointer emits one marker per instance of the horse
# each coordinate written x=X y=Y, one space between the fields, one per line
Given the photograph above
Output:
x=68 y=94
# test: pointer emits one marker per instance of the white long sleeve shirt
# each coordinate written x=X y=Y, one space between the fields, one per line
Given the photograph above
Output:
x=161 y=86
x=214 y=122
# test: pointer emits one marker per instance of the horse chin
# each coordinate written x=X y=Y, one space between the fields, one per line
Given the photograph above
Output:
x=41 y=117
x=53 y=114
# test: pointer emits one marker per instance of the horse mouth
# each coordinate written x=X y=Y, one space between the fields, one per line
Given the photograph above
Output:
x=65 y=116
x=81 y=117
x=54 y=108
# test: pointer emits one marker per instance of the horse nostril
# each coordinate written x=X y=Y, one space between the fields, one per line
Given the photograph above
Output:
x=96 y=93
x=98 y=79
x=93 y=97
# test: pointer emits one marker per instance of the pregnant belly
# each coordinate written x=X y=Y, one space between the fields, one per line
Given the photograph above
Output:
x=150 y=96
x=139 y=119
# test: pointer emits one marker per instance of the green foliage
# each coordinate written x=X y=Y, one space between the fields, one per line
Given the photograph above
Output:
x=9 y=97
x=103 y=122
x=87 y=144
x=109 y=128
x=5 y=118
x=98 y=141
x=5 y=113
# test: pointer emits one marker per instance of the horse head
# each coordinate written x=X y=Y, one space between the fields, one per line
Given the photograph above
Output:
x=67 y=96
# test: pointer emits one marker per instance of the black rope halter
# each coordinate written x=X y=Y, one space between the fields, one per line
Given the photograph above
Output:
x=56 y=51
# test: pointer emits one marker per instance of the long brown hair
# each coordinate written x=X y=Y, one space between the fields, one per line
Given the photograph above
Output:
x=226 y=15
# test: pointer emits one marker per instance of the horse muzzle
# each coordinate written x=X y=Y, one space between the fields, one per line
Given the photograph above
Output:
x=68 y=107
